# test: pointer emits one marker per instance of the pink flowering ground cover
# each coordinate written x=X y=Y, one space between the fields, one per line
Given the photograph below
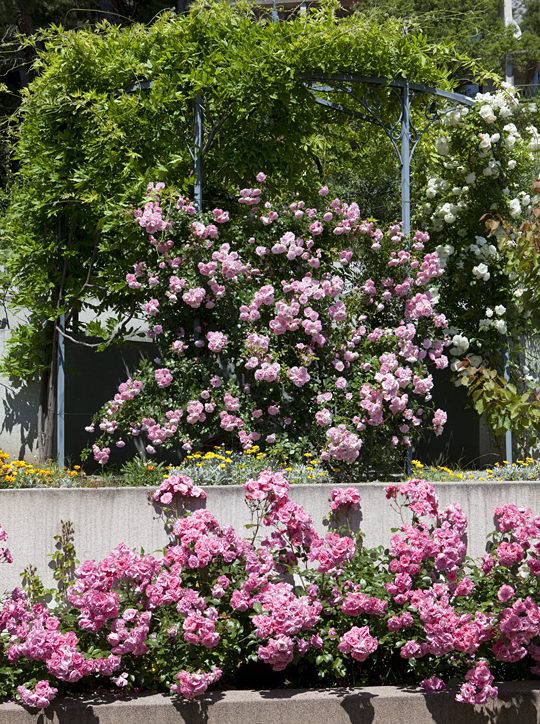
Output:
x=286 y=607
x=282 y=324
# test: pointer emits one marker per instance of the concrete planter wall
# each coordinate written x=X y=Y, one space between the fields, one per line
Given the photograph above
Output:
x=105 y=517
x=517 y=702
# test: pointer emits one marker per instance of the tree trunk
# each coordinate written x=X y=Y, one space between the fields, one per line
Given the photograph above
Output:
x=47 y=404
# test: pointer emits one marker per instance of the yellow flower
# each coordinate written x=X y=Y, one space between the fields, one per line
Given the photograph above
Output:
x=222 y=465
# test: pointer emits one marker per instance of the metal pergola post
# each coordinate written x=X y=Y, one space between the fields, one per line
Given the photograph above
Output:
x=405 y=160
x=60 y=393
x=198 y=111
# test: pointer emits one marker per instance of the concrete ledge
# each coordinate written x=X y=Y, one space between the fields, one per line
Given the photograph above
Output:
x=105 y=517
x=517 y=702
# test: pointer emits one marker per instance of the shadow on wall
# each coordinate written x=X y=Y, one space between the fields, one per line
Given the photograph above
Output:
x=91 y=379
x=19 y=421
x=519 y=707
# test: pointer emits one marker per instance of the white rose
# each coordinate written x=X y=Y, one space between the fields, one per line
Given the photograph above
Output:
x=460 y=340
x=512 y=164
x=471 y=178
x=489 y=312
x=500 y=325
x=515 y=208
x=500 y=309
x=485 y=141
x=441 y=145
x=487 y=114
x=481 y=272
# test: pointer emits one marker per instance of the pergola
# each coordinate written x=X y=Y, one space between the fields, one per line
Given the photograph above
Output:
x=385 y=102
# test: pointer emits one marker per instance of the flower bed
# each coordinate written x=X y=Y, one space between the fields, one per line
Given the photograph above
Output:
x=295 y=609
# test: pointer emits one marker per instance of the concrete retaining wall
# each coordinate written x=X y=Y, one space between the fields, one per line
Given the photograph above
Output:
x=517 y=702
x=105 y=517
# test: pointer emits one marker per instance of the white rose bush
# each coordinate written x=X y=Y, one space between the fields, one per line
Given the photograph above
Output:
x=481 y=166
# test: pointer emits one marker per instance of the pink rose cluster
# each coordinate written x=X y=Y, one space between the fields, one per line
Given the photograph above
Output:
x=101 y=455
x=342 y=444
x=344 y=498
x=358 y=642
x=195 y=684
x=177 y=485
x=163 y=377
x=216 y=341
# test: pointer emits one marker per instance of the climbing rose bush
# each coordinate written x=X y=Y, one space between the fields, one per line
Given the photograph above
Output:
x=483 y=161
x=282 y=324
x=214 y=606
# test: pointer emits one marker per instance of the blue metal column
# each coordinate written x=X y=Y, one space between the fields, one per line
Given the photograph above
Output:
x=197 y=151
x=60 y=393
x=508 y=436
x=405 y=158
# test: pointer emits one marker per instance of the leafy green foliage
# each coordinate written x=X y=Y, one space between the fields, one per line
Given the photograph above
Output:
x=476 y=27
x=85 y=146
